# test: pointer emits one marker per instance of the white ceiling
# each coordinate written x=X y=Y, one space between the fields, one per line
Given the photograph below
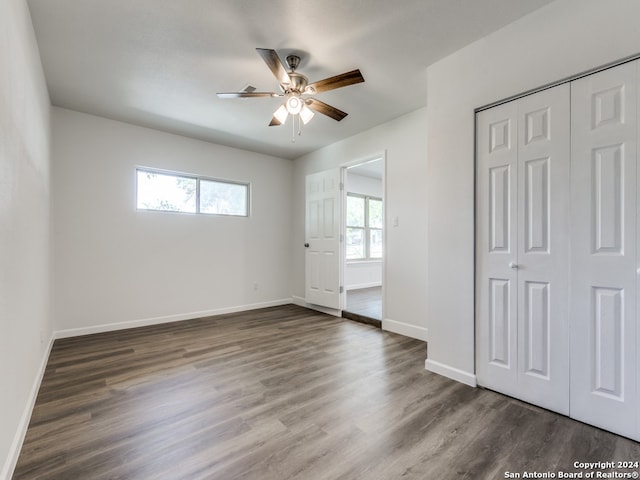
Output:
x=159 y=63
x=371 y=169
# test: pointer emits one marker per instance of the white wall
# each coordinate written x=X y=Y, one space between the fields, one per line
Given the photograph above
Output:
x=114 y=264
x=363 y=185
x=557 y=41
x=25 y=324
x=367 y=273
x=406 y=178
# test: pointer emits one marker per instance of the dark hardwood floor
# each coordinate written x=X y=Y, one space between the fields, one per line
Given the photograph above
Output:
x=366 y=302
x=283 y=393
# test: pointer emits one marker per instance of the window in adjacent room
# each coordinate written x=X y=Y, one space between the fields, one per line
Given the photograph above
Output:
x=364 y=227
x=171 y=192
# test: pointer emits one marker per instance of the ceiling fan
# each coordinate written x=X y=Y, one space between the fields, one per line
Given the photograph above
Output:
x=296 y=88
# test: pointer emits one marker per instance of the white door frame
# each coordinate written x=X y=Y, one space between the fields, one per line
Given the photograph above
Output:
x=382 y=156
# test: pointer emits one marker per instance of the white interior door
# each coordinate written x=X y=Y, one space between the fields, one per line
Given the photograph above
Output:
x=543 y=248
x=497 y=252
x=522 y=248
x=322 y=238
x=604 y=176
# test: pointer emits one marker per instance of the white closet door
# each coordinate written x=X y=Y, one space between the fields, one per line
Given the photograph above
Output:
x=603 y=250
x=543 y=248
x=496 y=243
x=522 y=248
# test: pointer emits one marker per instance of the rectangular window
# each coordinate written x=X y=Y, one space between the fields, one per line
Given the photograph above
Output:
x=364 y=227
x=223 y=198
x=169 y=192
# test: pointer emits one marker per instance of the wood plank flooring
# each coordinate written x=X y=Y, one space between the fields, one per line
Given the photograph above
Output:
x=366 y=302
x=282 y=393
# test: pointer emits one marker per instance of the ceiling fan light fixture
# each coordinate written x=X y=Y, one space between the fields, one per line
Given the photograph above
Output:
x=293 y=87
x=294 y=104
x=281 y=114
x=306 y=114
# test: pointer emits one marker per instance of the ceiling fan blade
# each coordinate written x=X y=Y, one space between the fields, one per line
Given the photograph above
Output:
x=338 y=81
x=274 y=63
x=325 y=109
x=275 y=122
x=248 y=94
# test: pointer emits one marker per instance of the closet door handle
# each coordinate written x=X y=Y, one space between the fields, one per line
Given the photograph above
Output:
x=513 y=265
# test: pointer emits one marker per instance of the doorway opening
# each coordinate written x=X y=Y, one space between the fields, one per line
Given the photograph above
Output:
x=363 y=253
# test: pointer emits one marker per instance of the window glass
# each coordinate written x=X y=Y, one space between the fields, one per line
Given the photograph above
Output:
x=355 y=243
x=223 y=198
x=355 y=211
x=375 y=243
x=172 y=193
x=375 y=213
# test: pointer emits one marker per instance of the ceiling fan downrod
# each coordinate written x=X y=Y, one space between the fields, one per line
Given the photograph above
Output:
x=293 y=61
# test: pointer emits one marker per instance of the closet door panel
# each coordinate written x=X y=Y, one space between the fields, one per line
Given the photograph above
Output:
x=543 y=218
x=496 y=299
x=603 y=250
x=522 y=255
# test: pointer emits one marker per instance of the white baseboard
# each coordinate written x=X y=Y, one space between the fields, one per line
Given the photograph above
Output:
x=451 y=372
x=329 y=311
x=406 y=329
x=23 y=425
x=111 y=327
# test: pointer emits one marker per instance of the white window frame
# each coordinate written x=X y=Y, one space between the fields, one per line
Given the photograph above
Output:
x=366 y=229
x=197 y=178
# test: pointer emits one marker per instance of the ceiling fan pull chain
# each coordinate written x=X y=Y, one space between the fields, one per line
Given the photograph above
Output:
x=293 y=129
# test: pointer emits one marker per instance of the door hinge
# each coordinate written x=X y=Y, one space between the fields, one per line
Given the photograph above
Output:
x=341 y=289
x=341 y=238
x=341 y=186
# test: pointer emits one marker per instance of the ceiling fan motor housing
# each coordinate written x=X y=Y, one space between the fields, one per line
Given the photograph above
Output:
x=298 y=83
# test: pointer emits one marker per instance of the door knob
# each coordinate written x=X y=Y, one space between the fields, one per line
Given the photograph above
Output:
x=306 y=245
x=513 y=265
